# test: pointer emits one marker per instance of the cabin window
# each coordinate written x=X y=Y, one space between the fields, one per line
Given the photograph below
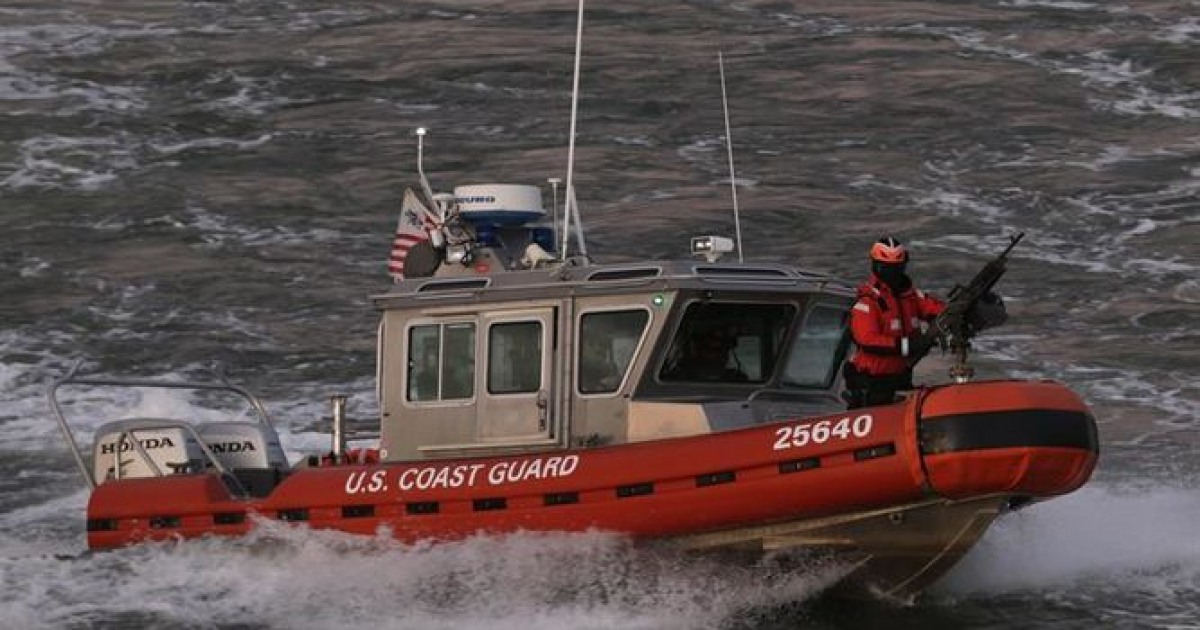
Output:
x=515 y=358
x=818 y=348
x=727 y=342
x=441 y=362
x=607 y=341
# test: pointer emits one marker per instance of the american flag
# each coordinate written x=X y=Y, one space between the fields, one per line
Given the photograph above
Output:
x=415 y=222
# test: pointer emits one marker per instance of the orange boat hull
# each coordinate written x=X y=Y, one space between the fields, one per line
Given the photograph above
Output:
x=991 y=442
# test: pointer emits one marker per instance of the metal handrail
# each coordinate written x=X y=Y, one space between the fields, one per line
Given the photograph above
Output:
x=131 y=436
x=70 y=379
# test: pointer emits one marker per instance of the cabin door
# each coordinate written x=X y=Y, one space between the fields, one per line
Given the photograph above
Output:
x=517 y=388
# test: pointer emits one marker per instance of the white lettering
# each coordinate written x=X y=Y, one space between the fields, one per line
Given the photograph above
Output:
x=406 y=479
x=425 y=478
x=377 y=481
x=442 y=479
x=819 y=432
x=467 y=475
x=496 y=473
x=534 y=471
x=354 y=482
x=570 y=463
x=516 y=472
x=475 y=468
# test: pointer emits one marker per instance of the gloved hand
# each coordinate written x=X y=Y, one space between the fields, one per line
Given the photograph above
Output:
x=919 y=346
x=914 y=347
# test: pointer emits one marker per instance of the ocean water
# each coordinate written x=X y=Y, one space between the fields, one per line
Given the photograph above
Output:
x=212 y=186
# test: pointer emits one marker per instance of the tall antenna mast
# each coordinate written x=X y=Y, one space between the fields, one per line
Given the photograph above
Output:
x=569 y=197
x=580 y=242
x=737 y=222
x=554 y=182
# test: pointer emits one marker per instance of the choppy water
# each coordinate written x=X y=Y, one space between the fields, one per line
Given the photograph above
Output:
x=190 y=184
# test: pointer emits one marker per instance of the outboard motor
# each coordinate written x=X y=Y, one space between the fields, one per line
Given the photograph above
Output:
x=168 y=446
x=243 y=445
x=250 y=451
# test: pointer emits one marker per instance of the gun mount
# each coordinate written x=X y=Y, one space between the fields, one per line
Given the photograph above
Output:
x=970 y=309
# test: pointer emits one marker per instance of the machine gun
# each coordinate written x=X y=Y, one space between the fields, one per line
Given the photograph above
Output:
x=969 y=309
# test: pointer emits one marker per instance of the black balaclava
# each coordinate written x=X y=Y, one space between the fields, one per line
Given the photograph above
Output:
x=892 y=274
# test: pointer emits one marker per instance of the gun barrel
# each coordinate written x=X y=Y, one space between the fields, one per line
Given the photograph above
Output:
x=1013 y=240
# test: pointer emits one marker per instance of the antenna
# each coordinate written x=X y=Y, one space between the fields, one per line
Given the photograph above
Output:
x=421 y=169
x=579 y=240
x=554 y=182
x=570 y=192
x=737 y=222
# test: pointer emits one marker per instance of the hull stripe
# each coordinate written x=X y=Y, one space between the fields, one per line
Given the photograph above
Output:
x=1053 y=428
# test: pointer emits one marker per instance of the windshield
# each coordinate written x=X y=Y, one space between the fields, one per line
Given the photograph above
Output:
x=727 y=342
x=818 y=348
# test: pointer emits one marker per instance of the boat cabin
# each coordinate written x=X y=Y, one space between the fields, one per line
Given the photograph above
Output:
x=475 y=363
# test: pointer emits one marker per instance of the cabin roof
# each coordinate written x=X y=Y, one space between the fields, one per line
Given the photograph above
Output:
x=597 y=279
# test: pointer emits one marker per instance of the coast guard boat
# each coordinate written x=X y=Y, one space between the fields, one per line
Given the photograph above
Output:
x=692 y=402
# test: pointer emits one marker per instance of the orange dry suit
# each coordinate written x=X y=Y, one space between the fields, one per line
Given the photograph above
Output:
x=883 y=324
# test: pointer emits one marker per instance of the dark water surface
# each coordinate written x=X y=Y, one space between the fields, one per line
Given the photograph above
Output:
x=185 y=184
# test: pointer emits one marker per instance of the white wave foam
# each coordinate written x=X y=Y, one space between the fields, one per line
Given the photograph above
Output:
x=1145 y=101
x=744 y=182
x=252 y=96
x=71 y=95
x=212 y=143
x=1185 y=31
x=1162 y=390
x=700 y=150
x=1058 y=4
x=635 y=141
x=819 y=25
x=71 y=505
x=85 y=163
x=1188 y=291
x=1099 y=68
x=283 y=577
x=31 y=425
x=1122 y=537
x=1114 y=246
x=219 y=230
x=32 y=267
x=1112 y=155
x=959 y=204
x=1121 y=83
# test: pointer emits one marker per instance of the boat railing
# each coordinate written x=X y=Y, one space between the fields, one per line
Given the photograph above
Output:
x=71 y=379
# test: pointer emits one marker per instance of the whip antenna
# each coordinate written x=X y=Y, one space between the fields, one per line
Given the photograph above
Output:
x=737 y=222
x=569 y=197
x=580 y=242
x=554 y=182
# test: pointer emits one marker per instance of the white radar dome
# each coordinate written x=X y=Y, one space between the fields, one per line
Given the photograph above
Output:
x=499 y=204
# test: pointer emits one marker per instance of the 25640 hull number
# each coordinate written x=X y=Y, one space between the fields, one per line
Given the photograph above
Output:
x=798 y=435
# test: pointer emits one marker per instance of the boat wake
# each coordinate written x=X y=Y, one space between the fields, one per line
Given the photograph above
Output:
x=1138 y=545
x=1100 y=539
x=285 y=577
